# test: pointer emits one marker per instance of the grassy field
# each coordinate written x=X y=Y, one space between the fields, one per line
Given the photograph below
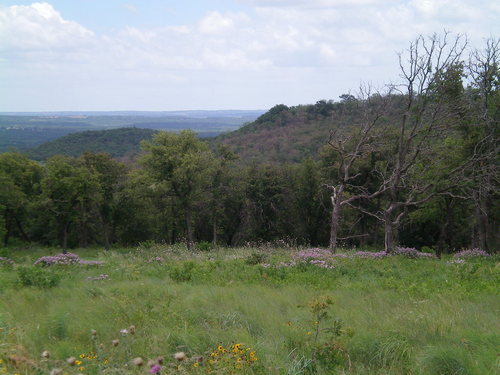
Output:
x=247 y=311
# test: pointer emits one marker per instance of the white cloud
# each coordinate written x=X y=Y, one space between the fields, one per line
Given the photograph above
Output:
x=325 y=47
x=39 y=26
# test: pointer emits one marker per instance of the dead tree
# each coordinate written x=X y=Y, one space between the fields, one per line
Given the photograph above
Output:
x=350 y=145
x=421 y=118
x=482 y=165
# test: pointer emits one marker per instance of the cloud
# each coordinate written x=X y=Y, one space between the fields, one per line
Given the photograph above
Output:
x=301 y=49
x=39 y=26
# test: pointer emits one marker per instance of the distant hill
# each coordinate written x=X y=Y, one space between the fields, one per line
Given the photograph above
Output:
x=31 y=129
x=283 y=134
x=290 y=134
x=117 y=142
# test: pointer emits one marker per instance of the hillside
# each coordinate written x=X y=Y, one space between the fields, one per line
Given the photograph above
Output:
x=290 y=134
x=285 y=134
x=117 y=142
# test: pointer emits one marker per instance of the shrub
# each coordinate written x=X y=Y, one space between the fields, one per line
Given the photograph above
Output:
x=182 y=272
x=39 y=277
x=446 y=362
x=203 y=246
x=256 y=258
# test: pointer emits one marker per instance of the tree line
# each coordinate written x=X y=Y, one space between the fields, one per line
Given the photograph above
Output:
x=413 y=164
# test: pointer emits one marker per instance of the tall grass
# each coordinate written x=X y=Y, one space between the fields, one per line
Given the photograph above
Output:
x=403 y=316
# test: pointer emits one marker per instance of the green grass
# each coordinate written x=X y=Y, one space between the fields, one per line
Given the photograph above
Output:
x=394 y=315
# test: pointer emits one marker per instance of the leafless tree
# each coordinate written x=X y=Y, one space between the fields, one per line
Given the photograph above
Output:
x=481 y=169
x=350 y=143
x=422 y=118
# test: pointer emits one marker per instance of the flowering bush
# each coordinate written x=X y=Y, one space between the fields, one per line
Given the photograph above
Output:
x=315 y=256
x=65 y=259
x=411 y=252
x=471 y=253
x=226 y=360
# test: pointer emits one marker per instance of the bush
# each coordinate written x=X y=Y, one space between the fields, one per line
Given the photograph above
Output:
x=256 y=258
x=182 y=272
x=446 y=362
x=37 y=276
x=203 y=246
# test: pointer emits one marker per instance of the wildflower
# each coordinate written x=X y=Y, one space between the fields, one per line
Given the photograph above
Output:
x=131 y=329
x=56 y=371
x=124 y=332
x=81 y=368
x=78 y=362
x=45 y=354
x=71 y=361
x=160 y=360
x=115 y=342
x=195 y=364
x=180 y=356
x=93 y=332
x=82 y=356
x=155 y=369
x=138 y=361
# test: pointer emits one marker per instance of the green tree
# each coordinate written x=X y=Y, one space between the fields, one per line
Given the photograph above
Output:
x=110 y=176
x=19 y=187
x=68 y=190
x=181 y=164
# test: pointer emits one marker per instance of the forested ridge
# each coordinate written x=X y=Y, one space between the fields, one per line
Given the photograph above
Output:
x=117 y=142
x=412 y=164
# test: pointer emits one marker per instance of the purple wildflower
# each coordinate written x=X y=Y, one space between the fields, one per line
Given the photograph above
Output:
x=155 y=369
x=470 y=253
x=411 y=252
x=369 y=254
x=65 y=259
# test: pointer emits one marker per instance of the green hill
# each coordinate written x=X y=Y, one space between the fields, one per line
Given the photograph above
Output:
x=117 y=142
x=284 y=134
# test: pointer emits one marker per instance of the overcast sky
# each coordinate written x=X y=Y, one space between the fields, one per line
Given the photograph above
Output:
x=64 y=55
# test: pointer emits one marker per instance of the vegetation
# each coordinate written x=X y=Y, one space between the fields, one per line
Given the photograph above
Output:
x=117 y=142
x=161 y=308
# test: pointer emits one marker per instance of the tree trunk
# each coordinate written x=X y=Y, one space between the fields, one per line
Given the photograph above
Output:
x=481 y=223
x=65 y=238
x=390 y=233
x=189 y=229
x=106 y=236
x=8 y=228
x=214 y=232
x=334 y=223
x=21 y=230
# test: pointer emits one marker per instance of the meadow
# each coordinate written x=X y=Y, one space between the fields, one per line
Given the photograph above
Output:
x=253 y=310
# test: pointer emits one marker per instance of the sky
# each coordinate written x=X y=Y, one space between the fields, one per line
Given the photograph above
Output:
x=160 y=55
